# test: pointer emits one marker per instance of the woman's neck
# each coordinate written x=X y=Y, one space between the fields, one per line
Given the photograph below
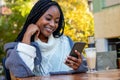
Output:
x=43 y=39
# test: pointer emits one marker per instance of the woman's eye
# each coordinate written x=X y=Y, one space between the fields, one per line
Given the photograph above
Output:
x=48 y=19
x=56 y=21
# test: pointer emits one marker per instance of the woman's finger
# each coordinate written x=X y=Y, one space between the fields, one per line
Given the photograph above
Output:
x=78 y=54
x=73 y=62
x=37 y=34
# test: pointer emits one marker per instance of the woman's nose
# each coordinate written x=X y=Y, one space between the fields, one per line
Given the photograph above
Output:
x=52 y=23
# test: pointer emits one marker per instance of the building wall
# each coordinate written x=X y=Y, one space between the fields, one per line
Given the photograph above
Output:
x=111 y=2
x=97 y=5
x=101 y=4
x=101 y=45
x=107 y=23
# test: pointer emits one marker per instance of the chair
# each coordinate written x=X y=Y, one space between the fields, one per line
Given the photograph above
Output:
x=6 y=71
x=106 y=60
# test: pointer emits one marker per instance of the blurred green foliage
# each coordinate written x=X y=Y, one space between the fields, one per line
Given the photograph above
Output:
x=11 y=24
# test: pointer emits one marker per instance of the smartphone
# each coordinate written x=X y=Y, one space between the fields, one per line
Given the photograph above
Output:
x=79 y=46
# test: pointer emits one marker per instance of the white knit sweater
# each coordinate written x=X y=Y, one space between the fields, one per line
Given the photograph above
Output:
x=54 y=53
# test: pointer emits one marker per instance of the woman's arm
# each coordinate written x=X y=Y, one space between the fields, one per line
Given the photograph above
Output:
x=83 y=66
x=20 y=56
x=27 y=54
x=16 y=59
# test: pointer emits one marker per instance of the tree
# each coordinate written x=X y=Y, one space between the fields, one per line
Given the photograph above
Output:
x=11 y=24
x=79 y=20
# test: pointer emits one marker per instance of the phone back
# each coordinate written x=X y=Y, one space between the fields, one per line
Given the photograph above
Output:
x=79 y=46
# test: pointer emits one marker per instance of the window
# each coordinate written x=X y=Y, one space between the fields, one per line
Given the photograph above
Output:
x=114 y=44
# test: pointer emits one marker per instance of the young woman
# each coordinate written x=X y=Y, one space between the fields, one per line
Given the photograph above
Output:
x=41 y=47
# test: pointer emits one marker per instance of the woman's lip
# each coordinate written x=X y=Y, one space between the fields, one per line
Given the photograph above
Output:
x=49 y=29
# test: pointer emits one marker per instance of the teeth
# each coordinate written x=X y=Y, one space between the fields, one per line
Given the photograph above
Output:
x=49 y=29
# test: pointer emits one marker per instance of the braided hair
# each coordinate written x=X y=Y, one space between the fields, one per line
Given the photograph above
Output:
x=36 y=12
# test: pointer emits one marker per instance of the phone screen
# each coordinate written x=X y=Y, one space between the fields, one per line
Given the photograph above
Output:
x=79 y=46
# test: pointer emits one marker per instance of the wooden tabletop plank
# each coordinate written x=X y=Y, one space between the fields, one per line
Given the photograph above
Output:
x=99 y=75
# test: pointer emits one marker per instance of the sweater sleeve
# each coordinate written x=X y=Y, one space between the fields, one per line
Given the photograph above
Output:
x=14 y=62
x=83 y=66
x=27 y=54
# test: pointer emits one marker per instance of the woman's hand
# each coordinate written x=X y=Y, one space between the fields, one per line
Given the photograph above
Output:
x=32 y=29
x=74 y=62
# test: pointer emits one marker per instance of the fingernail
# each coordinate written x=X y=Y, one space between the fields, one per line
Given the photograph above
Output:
x=75 y=50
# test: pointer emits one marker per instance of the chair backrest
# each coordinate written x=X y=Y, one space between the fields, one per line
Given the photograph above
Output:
x=106 y=60
x=6 y=71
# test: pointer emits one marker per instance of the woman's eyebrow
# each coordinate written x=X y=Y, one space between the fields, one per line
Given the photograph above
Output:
x=52 y=16
x=49 y=15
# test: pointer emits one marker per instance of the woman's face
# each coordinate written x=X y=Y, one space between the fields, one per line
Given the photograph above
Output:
x=48 y=22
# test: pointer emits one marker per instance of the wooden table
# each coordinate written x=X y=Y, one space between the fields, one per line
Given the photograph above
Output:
x=99 y=75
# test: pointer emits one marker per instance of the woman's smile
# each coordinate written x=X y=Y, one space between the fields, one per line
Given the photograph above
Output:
x=49 y=29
